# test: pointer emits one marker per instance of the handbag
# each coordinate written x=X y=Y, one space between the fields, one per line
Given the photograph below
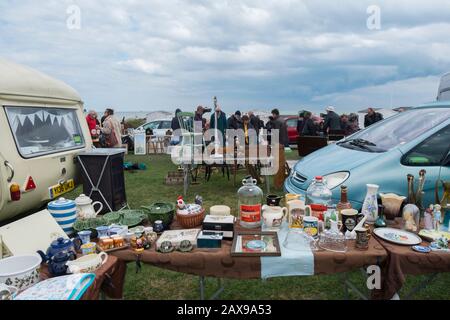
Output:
x=111 y=140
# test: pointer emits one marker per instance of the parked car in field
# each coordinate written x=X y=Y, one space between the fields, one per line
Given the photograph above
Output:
x=291 y=123
x=383 y=154
x=159 y=127
x=42 y=129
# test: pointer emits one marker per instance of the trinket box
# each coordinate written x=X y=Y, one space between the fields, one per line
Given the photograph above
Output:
x=220 y=224
x=220 y=211
x=175 y=237
x=209 y=240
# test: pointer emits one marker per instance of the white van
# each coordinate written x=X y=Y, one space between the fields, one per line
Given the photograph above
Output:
x=444 y=88
x=42 y=129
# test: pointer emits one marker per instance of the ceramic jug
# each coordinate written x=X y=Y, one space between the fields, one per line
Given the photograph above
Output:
x=273 y=216
x=85 y=207
x=87 y=264
x=370 y=206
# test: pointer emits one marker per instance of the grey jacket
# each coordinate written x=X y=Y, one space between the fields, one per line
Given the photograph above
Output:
x=332 y=122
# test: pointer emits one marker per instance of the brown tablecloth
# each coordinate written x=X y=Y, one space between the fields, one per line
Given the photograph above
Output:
x=402 y=261
x=110 y=279
x=219 y=262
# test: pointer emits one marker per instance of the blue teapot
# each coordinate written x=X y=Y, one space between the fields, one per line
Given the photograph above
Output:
x=61 y=245
x=57 y=264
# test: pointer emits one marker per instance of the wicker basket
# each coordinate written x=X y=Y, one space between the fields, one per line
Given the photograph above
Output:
x=192 y=220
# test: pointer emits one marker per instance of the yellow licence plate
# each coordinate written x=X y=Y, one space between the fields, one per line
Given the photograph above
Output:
x=60 y=189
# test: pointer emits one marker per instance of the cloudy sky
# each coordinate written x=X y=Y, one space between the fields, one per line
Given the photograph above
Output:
x=148 y=55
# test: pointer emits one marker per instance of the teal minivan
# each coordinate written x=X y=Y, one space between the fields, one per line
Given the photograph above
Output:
x=383 y=154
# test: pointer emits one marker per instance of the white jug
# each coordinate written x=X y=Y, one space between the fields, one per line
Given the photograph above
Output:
x=273 y=216
x=87 y=264
x=85 y=207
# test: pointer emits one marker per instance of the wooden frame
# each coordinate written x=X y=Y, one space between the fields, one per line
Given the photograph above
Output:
x=238 y=238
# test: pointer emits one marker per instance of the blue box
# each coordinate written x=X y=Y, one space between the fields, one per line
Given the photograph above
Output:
x=209 y=240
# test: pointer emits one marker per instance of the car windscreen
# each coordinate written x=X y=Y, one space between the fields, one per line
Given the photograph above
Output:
x=397 y=130
x=42 y=130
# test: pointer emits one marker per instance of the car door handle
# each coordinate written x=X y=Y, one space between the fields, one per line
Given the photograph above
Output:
x=9 y=165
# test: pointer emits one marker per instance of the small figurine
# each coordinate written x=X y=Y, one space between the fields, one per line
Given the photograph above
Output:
x=437 y=217
x=182 y=209
x=199 y=200
x=139 y=242
x=411 y=214
x=428 y=218
x=410 y=224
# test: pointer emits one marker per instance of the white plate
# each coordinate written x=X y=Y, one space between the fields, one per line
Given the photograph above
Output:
x=398 y=236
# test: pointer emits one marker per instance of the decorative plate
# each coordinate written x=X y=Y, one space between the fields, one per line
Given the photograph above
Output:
x=398 y=236
x=421 y=249
x=256 y=245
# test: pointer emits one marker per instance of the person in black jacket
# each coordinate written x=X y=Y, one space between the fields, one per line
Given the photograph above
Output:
x=332 y=121
x=175 y=123
x=255 y=121
x=300 y=122
x=309 y=127
x=372 y=117
x=235 y=122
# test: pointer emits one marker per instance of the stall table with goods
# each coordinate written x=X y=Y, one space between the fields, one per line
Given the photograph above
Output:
x=409 y=254
x=109 y=280
x=288 y=243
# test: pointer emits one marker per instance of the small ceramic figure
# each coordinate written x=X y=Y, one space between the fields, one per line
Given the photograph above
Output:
x=437 y=217
x=428 y=218
x=410 y=224
x=411 y=213
x=199 y=200
x=182 y=209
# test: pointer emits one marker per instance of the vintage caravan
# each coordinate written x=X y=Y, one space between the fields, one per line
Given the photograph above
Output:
x=42 y=128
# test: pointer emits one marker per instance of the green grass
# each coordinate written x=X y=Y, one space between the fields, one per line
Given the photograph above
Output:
x=146 y=187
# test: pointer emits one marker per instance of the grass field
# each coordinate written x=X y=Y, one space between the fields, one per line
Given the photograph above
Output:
x=146 y=187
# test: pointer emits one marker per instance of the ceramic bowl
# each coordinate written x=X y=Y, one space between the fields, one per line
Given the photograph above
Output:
x=21 y=271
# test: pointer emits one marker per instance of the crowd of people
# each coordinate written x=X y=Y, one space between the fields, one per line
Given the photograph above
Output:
x=332 y=123
x=307 y=125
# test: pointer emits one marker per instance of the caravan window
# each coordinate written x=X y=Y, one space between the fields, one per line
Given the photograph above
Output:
x=39 y=131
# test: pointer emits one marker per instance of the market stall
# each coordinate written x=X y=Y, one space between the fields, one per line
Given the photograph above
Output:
x=109 y=280
x=403 y=261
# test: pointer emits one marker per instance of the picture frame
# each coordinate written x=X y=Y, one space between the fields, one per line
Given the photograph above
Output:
x=140 y=144
x=255 y=244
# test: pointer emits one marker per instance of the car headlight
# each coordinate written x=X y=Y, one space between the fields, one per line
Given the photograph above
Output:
x=334 y=180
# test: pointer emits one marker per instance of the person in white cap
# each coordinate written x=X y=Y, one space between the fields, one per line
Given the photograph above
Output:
x=332 y=121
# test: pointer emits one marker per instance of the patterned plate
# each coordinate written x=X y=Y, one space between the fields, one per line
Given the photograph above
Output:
x=398 y=236
x=421 y=249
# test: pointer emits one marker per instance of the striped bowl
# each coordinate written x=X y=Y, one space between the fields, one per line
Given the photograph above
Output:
x=64 y=211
